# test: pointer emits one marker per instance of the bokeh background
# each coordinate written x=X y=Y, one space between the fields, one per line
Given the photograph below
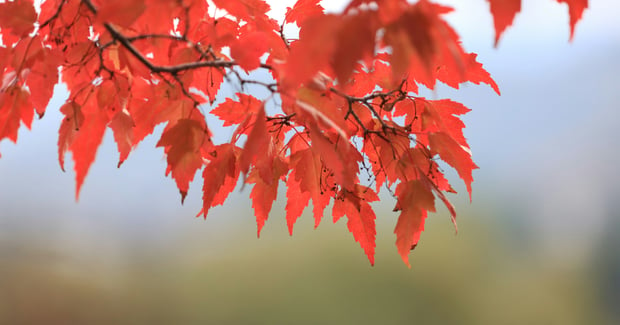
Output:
x=538 y=245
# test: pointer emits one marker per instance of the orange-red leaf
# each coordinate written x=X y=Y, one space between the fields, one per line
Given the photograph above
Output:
x=296 y=201
x=575 y=10
x=414 y=202
x=70 y=125
x=504 y=12
x=248 y=49
x=122 y=126
x=220 y=176
x=456 y=155
x=302 y=10
x=120 y=12
x=265 y=192
x=18 y=17
x=81 y=133
x=42 y=78
x=307 y=180
x=248 y=10
x=15 y=106
x=236 y=111
x=184 y=144
x=257 y=144
x=360 y=215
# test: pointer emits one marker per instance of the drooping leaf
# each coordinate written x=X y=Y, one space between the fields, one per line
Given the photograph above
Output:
x=184 y=144
x=265 y=192
x=414 y=202
x=122 y=126
x=575 y=10
x=456 y=155
x=220 y=176
x=81 y=133
x=257 y=144
x=360 y=215
x=15 y=106
x=504 y=12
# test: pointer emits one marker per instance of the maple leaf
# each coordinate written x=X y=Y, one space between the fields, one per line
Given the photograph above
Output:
x=302 y=10
x=312 y=51
x=456 y=155
x=575 y=10
x=265 y=192
x=81 y=133
x=360 y=215
x=15 y=106
x=257 y=144
x=18 y=17
x=42 y=77
x=235 y=111
x=296 y=201
x=307 y=180
x=184 y=145
x=504 y=12
x=220 y=176
x=122 y=125
x=414 y=202
x=70 y=125
x=248 y=49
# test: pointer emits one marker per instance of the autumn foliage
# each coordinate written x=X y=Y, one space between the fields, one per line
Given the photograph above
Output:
x=342 y=118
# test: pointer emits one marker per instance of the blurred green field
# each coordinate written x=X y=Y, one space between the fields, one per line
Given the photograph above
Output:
x=209 y=275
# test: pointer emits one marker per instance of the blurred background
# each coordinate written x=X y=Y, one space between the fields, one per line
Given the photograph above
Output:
x=538 y=245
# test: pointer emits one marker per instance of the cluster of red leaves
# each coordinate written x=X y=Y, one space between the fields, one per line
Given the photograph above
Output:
x=349 y=113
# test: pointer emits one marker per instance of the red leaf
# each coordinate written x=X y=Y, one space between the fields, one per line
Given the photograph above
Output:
x=455 y=155
x=81 y=132
x=120 y=12
x=244 y=9
x=575 y=10
x=220 y=176
x=355 y=41
x=307 y=180
x=42 y=78
x=440 y=115
x=474 y=73
x=296 y=201
x=313 y=50
x=70 y=125
x=360 y=215
x=122 y=126
x=302 y=10
x=504 y=12
x=15 y=105
x=209 y=83
x=421 y=41
x=18 y=17
x=236 y=111
x=265 y=192
x=340 y=157
x=257 y=144
x=248 y=49
x=414 y=202
x=184 y=145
